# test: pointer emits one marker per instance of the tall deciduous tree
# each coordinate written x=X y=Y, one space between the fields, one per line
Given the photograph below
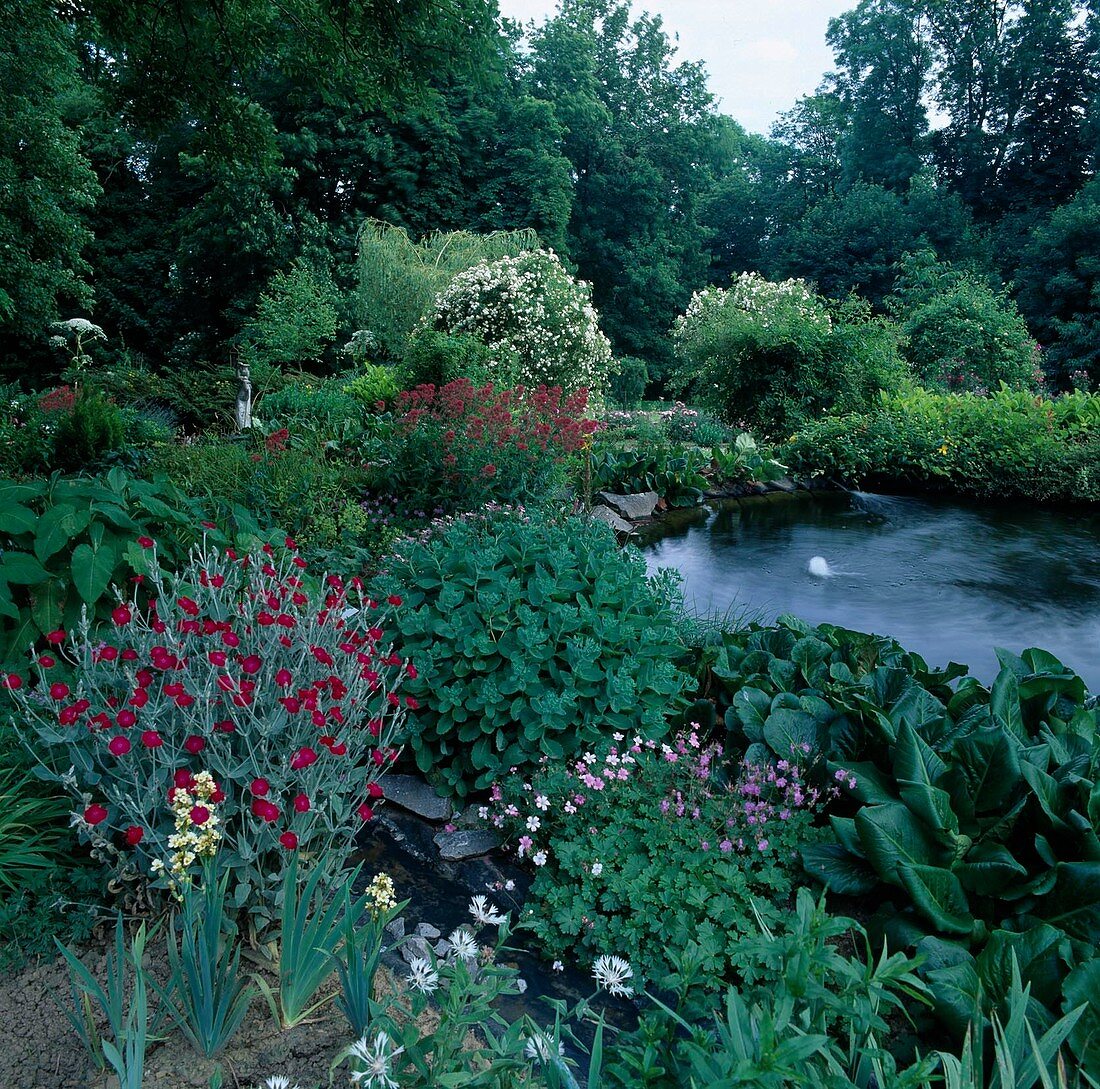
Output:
x=637 y=126
x=47 y=186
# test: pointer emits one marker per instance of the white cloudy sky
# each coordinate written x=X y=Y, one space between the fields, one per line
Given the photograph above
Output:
x=760 y=54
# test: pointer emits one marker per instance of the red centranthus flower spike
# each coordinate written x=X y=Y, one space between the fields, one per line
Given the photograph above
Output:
x=134 y=835
x=289 y=840
x=151 y=739
x=301 y=803
x=119 y=746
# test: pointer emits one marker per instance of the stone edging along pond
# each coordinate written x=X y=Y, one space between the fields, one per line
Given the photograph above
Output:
x=644 y=514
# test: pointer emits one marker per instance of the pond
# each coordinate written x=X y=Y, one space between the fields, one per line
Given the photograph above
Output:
x=947 y=580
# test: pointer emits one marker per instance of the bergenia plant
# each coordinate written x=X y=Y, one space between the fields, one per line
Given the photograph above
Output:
x=247 y=712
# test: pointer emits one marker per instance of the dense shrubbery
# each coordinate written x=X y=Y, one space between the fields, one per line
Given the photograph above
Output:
x=1008 y=444
x=975 y=828
x=531 y=639
x=66 y=541
x=776 y=355
x=960 y=334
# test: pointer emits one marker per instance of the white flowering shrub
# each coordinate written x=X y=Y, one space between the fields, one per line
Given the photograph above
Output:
x=774 y=355
x=537 y=321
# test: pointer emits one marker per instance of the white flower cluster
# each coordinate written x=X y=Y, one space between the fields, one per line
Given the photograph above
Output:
x=536 y=319
x=751 y=293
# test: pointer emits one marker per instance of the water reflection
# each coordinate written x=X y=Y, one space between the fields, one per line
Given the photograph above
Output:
x=948 y=581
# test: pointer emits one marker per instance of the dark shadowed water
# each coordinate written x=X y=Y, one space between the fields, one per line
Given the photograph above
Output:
x=948 y=581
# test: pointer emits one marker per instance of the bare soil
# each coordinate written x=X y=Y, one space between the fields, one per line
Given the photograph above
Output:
x=40 y=1050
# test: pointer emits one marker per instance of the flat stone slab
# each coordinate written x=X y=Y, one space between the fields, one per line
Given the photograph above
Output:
x=417 y=797
x=466 y=843
x=782 y=484
x=606 y=514
x=635 y=507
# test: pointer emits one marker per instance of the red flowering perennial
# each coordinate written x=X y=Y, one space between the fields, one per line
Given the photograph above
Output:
x=295 y=721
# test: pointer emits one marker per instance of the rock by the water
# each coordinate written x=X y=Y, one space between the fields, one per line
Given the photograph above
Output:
x=783 y=484
x=466 y=843
x=636 y=506
x=606 y=514
x=415 y=795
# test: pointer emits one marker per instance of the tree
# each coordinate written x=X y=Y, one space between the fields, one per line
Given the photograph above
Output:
x=884 y=61
x=1058 y=285
x=46 y=184
x=960 y=332
x=847 y=242
x=636 y=129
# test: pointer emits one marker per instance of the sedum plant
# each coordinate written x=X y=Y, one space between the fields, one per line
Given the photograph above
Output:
x=243 y=712
x=532 y=639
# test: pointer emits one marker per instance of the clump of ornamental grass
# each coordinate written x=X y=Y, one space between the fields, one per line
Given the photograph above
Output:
x=648 y=846
x=248 y=710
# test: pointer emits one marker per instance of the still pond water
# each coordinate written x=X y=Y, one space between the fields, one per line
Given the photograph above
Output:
x=950 y=582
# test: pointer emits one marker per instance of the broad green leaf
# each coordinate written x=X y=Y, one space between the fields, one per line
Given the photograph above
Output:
x=1038 y=953
x=22 y=568
x=1074 y=902
x=891 y=835
x=57 y=528
x=1004 y=704
x=989 y=868
x=838 y=870
x=788 y=732
x=938 y=896
x=957 y=991
x=92 y=570
x=48 y=603
x=989 y=762
x=15 y=519
x=1082 y=988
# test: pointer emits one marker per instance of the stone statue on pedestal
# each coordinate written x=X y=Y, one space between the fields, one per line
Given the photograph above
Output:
x=244 y=397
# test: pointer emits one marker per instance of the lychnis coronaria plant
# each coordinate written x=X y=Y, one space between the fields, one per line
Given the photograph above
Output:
x=246 y=713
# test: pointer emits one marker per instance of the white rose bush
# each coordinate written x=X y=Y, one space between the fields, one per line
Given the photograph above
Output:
x=537 y=321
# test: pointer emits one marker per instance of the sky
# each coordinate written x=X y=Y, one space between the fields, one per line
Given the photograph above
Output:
x=761 y=55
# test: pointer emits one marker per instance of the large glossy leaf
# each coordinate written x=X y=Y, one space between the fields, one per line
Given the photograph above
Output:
x=22 y=569
x=1082 y=988
x=919 y=709
x=787 y=732
x=989 y=868
x=752 y=707
x=1046 y=789
x=1074 y=902
x=989 y=762
x=838 y=870
x=891 y=835
x=1004 y=704
x=957 y=990
x=918 y=769
x=58 y=527
x=873 y=787
x=15 y=519
x=92 y=569
x=938 y=896
x=1040 y=953
x=48 y=605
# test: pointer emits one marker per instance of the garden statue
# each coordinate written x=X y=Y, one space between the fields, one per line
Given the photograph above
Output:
x=244 y=397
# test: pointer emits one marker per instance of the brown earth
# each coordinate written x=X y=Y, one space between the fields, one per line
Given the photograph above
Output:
x=40 y=1050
